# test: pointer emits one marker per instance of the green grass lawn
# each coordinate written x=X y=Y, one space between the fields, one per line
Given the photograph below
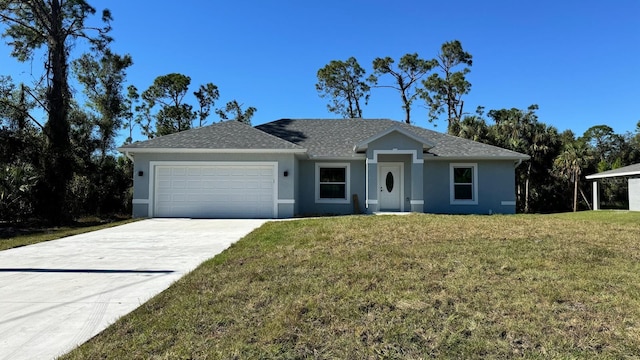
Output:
x=21 y=237
x=411 y=287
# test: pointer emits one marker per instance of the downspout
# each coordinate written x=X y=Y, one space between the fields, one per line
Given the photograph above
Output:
x=126 y=153
x=518 y=163
x=366 y=183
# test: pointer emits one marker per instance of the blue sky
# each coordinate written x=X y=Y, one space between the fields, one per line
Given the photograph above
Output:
x=578 y=60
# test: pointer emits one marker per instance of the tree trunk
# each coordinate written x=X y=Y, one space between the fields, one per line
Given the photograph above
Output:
x=406 y=105
x=58 y=167
x=585 y=199
x=407 y=111
x=453 y=124
x=575 y=193
x=22 y=117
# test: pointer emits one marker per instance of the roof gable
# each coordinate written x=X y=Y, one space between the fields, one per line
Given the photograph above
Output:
x=362 y=145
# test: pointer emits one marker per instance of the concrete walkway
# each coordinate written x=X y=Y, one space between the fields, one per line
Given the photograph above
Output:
x=58 y=294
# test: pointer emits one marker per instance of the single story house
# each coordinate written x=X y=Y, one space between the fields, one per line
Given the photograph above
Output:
x=292 y=167
x=632 y=172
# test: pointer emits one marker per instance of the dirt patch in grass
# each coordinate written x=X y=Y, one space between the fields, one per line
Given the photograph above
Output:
x=419 y=286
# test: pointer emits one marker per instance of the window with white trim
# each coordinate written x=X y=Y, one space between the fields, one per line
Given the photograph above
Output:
x=464 y=184
x=332 y=183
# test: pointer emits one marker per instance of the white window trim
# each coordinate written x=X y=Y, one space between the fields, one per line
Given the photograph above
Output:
x=452 y=198
x=347 y=190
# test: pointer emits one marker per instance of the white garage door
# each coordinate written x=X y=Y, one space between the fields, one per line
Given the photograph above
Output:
x=215 y=191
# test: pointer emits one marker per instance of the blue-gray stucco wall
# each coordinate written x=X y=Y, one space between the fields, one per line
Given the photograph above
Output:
x=496 y=187
x=394 y=140
x=496 y=184
x=306 y=200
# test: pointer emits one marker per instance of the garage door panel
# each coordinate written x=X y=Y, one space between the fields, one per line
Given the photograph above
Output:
x=242 y=172
x=163 y=198
x=164 y=184
x=194 y=184
x=208 y=171
x=178 y=198
x=215 y=191
x=163 y=171
x=178 y=184
x=193 y=171
x=251 y=185
x=178 y=171
x=266 y=185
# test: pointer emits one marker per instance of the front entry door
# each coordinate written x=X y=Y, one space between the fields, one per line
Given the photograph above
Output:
x=390 y=186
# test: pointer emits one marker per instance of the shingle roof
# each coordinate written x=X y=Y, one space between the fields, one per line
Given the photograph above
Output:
x=336 y=138
x=630 y=170
x=331 y=138
x=222 y=135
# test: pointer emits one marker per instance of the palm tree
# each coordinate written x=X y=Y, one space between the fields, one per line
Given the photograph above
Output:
x=473 y=128
x=519 y=130
x=540 y=140
x=569 y=164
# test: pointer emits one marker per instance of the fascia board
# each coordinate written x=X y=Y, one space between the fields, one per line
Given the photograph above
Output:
x=603 y=176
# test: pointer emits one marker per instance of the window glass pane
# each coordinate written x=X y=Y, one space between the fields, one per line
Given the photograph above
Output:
x=463 y=175
x=333 y=191
x=463 y=192
x=333 y=174
x=389 y=181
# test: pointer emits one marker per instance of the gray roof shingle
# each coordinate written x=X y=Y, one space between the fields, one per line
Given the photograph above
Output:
x=223 y=135
x=336 y=138
x=332 y=138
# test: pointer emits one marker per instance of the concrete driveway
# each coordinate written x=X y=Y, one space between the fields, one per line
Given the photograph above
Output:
x=58 y=294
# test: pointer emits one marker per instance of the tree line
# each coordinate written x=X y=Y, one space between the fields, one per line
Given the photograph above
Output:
x=65 y=166
x=552 y=179
x=549 y=182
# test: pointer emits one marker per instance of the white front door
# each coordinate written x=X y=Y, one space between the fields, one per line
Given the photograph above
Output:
x=390 y=186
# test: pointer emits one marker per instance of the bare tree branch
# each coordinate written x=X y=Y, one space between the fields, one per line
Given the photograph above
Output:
x=18 y=22
x=36 y=99
x=13 y=106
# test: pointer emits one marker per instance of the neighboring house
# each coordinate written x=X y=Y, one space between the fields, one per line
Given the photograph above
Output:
x=290 y=167
x=632 y=172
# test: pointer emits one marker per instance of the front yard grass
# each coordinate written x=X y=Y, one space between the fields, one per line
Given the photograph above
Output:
x=411 y=287
x=12 y=238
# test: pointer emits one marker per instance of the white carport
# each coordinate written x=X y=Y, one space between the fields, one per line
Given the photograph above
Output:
x=632 y=172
